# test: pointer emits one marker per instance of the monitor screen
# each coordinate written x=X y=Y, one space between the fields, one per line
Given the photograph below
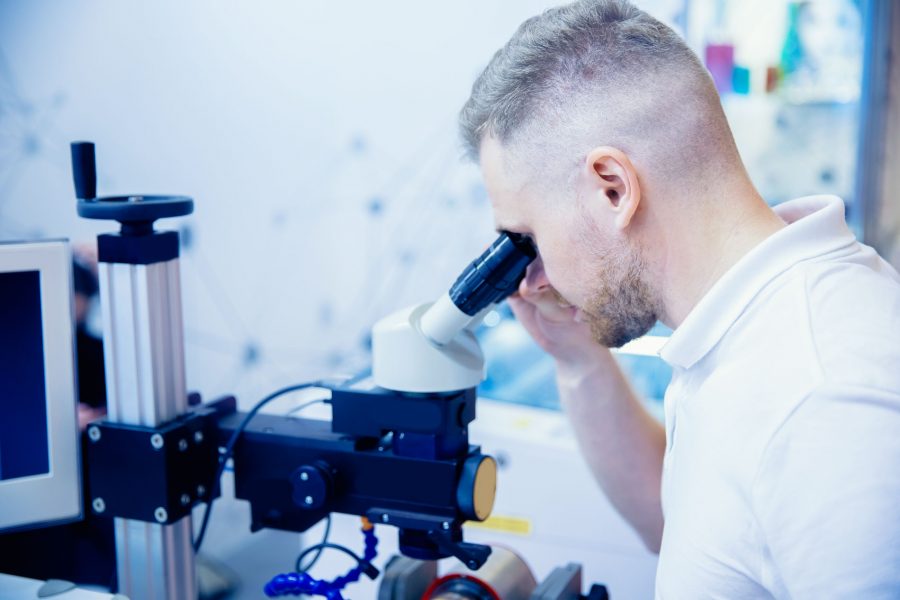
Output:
x=24 y=447
x=40 y=479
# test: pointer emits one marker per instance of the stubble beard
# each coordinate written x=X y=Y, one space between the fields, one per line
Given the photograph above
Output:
x=623 y=307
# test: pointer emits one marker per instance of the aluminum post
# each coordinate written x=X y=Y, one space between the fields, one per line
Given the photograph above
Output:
x=143 y=337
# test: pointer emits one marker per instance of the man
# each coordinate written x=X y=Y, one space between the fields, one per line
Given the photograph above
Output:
x=777 y=474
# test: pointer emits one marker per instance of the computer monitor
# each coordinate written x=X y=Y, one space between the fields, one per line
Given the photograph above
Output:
x=40 y=467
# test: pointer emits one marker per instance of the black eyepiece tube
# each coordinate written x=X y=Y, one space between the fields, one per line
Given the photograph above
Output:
x=84 y=170
x=494 y=275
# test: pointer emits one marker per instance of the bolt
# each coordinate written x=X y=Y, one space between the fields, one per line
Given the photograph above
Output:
x=201 y=491
x=385 y=518
x=160 y=514
x=185 y=499
x=94 y=433
x=157 y=441
x=198 y=437
x=473 y=565
x=99 y=505
x=445 y=525
x=182 y=445
x=304 y=476
x=308 y=499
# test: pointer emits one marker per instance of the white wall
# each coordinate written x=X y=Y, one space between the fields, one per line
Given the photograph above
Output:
x=285 y=120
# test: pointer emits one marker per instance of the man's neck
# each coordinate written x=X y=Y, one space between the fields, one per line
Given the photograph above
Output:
x=703 y=247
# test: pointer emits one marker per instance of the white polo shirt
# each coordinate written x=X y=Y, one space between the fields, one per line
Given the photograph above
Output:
x=782 y=468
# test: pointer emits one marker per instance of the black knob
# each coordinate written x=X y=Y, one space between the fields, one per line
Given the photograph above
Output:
x=312 y=486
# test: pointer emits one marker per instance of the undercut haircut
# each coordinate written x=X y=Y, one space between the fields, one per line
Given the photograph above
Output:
x=599 y=72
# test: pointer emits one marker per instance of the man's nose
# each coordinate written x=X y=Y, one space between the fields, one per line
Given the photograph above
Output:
x=535 y=280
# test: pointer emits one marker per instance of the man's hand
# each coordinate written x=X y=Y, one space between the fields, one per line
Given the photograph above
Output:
x=621 y=442
x=554 y=323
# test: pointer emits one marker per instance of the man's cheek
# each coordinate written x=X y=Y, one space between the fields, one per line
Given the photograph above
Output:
x=561 y=300
x=560 y=287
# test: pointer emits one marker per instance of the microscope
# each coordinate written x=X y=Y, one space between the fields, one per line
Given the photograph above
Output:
x=396 y=451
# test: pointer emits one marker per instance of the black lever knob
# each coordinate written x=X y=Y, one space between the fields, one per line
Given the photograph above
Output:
x=471 y=555
x=84 y=170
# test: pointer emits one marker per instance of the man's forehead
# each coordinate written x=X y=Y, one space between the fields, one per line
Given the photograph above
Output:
x=507 y=191
x=495 y=158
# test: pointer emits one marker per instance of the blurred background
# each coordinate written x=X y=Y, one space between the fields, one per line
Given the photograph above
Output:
x=319 y=142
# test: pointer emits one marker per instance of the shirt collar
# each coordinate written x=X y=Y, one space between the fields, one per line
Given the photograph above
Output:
x=816 y=226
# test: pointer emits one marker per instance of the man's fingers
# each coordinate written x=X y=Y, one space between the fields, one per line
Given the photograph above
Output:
x=522 y=309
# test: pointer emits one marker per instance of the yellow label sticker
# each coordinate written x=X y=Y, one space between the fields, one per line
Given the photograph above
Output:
x=505 y=524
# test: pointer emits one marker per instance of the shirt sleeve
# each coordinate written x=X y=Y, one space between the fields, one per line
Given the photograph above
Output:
x=827 y=497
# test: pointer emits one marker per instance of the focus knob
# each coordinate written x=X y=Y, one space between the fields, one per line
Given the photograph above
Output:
x=477 y=487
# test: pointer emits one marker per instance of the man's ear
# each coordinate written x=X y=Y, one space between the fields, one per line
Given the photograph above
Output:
x=614 y=183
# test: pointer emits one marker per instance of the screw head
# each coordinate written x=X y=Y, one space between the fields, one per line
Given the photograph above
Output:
x=160 y=514
x=94 y=433
x=201 y=491
x=98 y=505
x=157 y=441
x=185 y=499
x=385 y=519
x=308 y=499
x=445 y=525
x=182 y=445
x=304 y=476
x=198 y=437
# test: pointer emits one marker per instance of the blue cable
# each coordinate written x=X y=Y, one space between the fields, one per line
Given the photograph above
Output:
x=295 y=584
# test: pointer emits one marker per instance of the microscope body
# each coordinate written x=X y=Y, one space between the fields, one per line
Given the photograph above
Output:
x=396 y=450
x=398 y=459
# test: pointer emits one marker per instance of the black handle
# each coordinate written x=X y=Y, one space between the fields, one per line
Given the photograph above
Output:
x=84 y=170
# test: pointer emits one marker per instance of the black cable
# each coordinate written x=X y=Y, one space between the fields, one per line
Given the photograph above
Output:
x=304 y=568
x=306 y=405
x=359 y=560
x=229 y=450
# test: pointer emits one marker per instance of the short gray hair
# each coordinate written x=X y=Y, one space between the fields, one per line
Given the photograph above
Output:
x=565 y=51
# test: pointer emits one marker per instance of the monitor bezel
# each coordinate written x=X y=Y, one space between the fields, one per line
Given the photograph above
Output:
x=59 y=491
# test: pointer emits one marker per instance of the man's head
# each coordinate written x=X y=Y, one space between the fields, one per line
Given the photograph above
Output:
x=594 y=126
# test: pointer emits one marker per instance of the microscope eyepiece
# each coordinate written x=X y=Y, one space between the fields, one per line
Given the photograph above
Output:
x=494 y=275
x=487 y=280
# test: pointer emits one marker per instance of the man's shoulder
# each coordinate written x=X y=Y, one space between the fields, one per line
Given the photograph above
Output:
x=853 y=309
x=841 y=313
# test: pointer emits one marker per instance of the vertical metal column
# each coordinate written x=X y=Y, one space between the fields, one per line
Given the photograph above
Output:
x=144 y=353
